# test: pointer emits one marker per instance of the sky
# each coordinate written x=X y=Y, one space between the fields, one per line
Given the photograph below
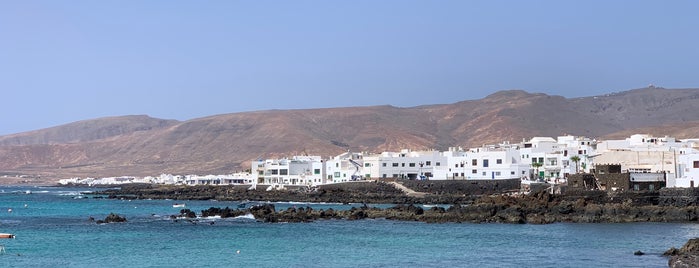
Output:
x=65 y=61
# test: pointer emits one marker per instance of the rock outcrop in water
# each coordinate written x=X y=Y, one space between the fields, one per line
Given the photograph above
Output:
x=111 y=218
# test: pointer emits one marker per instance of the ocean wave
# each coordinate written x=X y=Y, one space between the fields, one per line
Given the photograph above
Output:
x=70 y=193
x=248 y=216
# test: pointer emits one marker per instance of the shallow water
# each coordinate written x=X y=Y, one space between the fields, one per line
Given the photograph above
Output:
x=53 y=230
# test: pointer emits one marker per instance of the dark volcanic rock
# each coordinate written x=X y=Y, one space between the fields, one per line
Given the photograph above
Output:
x=537 y=208
x=224 y=213
x=265 y=212
x=112 y=218
x=187 y=213
x=685 y=257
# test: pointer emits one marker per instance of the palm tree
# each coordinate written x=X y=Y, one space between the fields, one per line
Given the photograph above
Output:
x=575 y=159
x=537 y=165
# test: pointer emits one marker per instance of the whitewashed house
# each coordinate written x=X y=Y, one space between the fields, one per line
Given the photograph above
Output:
x=687 y=169
x=299 y=170
x=556 y=156
x=346 y=167
x=231 y=179
x=501 y=161
x=576 y=146
x=543 y=150
x=405 y=164
x=643 y=154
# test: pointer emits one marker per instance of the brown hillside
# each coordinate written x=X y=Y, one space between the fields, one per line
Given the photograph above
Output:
x=140 y=145
x=683 y=130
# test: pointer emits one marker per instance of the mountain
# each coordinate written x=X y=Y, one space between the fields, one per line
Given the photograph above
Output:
x=140 y=145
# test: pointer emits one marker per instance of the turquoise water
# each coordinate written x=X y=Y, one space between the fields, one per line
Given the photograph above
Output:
x=53 y=230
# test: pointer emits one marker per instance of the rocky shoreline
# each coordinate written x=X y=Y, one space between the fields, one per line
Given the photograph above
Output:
x=540 y=208
x=463 y=202
x=374 y=192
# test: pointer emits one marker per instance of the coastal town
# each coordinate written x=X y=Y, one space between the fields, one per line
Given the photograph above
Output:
x=644 y=162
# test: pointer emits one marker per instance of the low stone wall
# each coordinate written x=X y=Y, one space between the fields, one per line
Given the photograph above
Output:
x=642 y=198
x=679 y=197
x=463 y=187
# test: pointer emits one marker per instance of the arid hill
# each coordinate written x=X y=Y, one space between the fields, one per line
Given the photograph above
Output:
x=140 y=145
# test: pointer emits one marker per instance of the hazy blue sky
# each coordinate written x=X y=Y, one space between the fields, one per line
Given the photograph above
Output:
x=64 y=61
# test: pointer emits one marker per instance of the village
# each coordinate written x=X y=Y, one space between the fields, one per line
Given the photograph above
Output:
x=638 y=163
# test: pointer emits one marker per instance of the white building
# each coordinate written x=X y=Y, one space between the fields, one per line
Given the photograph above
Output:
x=489 y=162
x=405 y=164
x=643 y=154
x=576 y=147
x=687 y=169
x=300 y=170
x=554 y=159
x=232 y=179
x=346 y=167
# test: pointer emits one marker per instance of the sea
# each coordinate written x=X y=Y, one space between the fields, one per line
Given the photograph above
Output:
x=53 y=229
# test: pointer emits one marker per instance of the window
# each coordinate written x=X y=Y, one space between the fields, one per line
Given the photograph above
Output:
x=367 y=165
x=456 y=174
x=696 y=164
x=395 y=164
x=456 y=165
x=498 y=161
x=483 y=173
x=337 y=174
x=337 y=164
x=402 y=164
x=283 y=172
x=485 y=162
x=651 y=187
x=411 y=164
x=428 y=163
x=260 y=172
x=274 y=171
x=383 y=164
x=474 y=162
x=383 y=176
x=474 y=171
x=512 y=173
x=395 y=175
x=437 y=164
x=497 y=173
x=316 y=171
x=541 y=160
